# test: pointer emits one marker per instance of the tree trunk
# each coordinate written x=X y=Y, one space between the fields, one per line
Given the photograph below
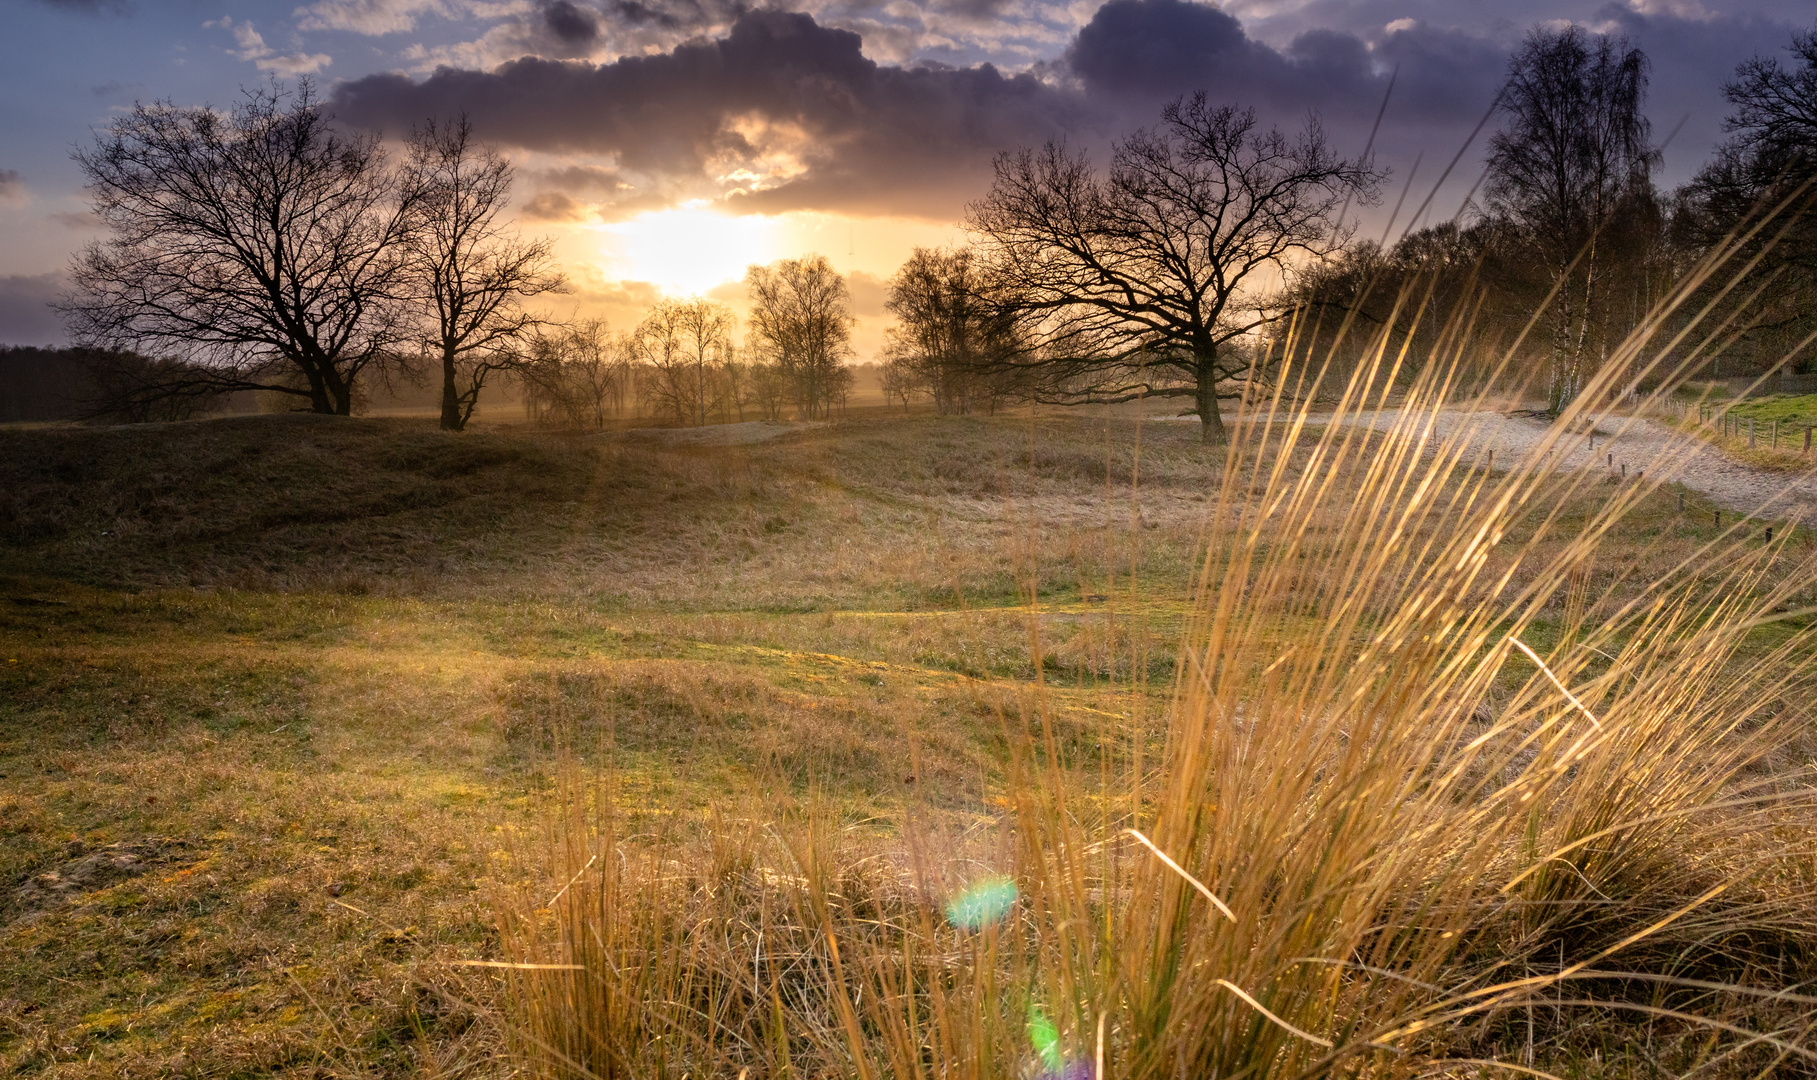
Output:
x=319 y=401
x=452 y=420
x=333 y=394
x=1211 y=425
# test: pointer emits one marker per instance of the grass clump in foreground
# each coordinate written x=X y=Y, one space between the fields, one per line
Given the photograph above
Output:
x=1435 y=795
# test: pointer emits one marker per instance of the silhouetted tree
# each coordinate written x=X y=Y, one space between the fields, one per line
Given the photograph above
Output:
x=1139 y=282
x=801 y=321
x=769 y=390
x=472 y=270
x=1574 y=150
x=949 y=341
x=1759 y=194
x=574 y=376
x=247 y=245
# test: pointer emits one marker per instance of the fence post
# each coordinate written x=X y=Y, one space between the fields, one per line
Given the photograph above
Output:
x=1775 y=434
x=1807 y=440
x=1750 y=433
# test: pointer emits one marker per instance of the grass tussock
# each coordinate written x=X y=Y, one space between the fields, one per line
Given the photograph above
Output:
x=1447 y=777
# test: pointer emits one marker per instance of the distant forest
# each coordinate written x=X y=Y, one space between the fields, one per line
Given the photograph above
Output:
x=38 y=385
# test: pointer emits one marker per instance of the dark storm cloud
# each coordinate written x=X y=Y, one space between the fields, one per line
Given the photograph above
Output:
x=1153 y=46
x=857 y=135
x=569 y=24
x=26 y=317
x=865 y=135
x=675 y=15
x=1441 y=76
x=1160 y=48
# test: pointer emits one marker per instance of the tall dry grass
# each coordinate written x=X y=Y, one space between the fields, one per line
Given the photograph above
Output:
x=1425 y=798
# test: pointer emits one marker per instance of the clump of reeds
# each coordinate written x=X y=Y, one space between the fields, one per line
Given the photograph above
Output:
x=1432 y=792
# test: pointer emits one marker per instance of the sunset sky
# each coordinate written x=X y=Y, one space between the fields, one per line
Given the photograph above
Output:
x=667 y=144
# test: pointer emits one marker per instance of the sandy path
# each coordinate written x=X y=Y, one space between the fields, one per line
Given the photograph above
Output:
x=1643 y=445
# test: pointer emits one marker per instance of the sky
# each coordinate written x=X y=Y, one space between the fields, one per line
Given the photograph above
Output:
x=665 y=145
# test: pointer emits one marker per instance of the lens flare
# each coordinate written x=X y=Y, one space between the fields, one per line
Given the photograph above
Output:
x=983 y=903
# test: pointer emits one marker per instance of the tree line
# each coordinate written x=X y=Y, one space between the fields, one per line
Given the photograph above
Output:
x=264 y=248
x=1573 y=246
x=1179 y=269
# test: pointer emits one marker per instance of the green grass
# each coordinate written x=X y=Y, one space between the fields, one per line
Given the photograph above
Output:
x=1794 y=412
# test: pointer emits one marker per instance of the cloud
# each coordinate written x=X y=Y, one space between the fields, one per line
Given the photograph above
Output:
x=1152 y=46
x=588 y=193
x=569 y=24
x=555 y=206
x=26 y=317
x=12 y=189
x=253 y=48
x=782 y=113
x=370 y=17
x=1692 y=58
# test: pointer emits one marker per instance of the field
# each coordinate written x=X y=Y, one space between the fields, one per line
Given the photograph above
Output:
x=298 y=714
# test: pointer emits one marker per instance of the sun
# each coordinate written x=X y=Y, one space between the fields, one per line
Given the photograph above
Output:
x=687 y=249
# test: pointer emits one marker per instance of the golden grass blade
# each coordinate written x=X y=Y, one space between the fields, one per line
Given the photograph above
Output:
x=577 y=876
x=1569 y=696
x=1180 y=870
x=1525 y=1070
x=1263 y=1009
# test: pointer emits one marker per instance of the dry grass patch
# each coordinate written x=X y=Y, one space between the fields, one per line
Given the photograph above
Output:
x=834 y=688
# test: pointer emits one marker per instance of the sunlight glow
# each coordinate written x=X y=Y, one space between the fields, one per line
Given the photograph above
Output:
x=688 y=249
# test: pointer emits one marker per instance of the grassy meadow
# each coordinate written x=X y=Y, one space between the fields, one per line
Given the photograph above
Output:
x=301 y=716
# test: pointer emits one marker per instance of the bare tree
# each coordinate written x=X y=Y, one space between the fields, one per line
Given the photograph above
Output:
x=900 y=381
x=1774 y=124
x=261 y=247
x=473 y=270
x=577 y=376
x=1137 y=282
x=1574 y=146
x=768 y=389
x=949 y=341
x=685 y=344
x=735 y=385
x=1766 y=169
x=801 y=321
